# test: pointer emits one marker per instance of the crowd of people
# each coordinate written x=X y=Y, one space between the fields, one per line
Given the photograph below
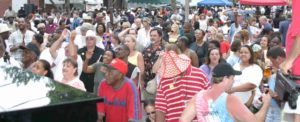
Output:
x=212 y=67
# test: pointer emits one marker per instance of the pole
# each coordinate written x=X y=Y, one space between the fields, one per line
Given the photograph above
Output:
x=187 y=10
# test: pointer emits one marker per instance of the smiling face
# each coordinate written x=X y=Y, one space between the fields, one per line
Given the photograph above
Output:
x=39 y=69
x=69 y=69
x=112 y=76
x=107 y=57
x=154 y=36
x=264 y=42
x=245 y=54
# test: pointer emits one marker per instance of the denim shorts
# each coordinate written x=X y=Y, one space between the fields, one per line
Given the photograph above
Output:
x=273 y=115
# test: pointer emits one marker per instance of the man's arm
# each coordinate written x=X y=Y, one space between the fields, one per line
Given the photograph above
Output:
x=189 y=112
x=235 y=107
x=288 y=63
x=54 y=47
x=72 y=46
x=194 y=58
x=242 y=88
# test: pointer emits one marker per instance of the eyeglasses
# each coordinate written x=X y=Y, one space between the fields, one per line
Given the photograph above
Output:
x=153 y=112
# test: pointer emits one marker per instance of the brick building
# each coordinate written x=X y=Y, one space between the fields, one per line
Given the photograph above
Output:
x=16 y=6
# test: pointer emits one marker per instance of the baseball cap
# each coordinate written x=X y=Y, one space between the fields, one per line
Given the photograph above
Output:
x=118 y=64
x=31 y=47
x=224 y=69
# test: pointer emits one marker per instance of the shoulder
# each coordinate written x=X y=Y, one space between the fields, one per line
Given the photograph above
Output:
x=197 y=72
x=232 y=99
x=129 y=84
x=97 y=49
x=255 y=67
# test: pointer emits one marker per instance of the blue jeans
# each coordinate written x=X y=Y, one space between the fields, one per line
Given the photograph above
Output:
x=273 y=115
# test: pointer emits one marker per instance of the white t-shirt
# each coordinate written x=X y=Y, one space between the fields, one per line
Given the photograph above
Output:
x=76 y=83
x=251 y=74
x=46 y=55
x=143 y=38
x=57 y=70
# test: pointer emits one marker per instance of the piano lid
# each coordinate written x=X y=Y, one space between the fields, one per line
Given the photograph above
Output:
x=21 y=90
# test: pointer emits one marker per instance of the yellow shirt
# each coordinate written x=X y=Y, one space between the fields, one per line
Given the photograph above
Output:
x=133 y=59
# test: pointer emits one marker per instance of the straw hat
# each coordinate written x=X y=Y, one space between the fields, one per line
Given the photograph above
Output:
x=173 y=64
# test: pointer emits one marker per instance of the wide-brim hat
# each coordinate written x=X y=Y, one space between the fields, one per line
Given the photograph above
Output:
x=173 y=64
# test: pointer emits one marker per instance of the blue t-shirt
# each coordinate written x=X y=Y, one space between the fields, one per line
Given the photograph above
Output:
x=272 y=83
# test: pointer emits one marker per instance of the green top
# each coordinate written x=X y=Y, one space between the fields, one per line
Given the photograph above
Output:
x=99 y=75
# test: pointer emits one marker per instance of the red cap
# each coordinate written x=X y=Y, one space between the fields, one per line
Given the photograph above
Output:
x=119 y=65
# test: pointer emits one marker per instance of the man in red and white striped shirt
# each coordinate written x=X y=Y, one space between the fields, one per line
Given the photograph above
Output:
x=174 y=92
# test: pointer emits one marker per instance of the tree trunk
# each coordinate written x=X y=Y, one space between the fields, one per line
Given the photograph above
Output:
x=173 y=4
x=186 y=10
x=67 y=6
x=53 y=4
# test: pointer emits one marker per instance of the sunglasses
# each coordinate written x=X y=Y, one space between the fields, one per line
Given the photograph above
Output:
x=153 y=112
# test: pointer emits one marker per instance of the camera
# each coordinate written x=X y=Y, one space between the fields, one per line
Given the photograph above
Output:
x=287 y=88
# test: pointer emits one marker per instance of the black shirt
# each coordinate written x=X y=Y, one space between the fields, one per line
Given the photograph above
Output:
x=201 y=51
x=88 y=79
x=131 y=67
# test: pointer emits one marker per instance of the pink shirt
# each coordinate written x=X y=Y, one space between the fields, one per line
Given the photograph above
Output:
x=293 y=31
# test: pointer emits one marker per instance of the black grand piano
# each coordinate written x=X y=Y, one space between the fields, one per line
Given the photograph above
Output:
x=26 y=97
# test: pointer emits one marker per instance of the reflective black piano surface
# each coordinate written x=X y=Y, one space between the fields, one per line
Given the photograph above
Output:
x=27 y=97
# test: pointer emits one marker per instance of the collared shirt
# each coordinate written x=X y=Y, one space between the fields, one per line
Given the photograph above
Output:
x=143 y=39
x=174 y=93
x=16 y=39
x=150 y=55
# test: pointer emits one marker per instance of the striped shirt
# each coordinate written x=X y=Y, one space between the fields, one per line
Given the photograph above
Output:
x=174 y=93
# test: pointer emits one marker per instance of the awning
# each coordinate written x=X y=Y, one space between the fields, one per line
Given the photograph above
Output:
x=214 y=3
x=264 y=2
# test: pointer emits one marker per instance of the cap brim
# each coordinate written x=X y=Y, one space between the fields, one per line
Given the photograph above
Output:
x=237 y=72
x=109 y=66
x=23 y=47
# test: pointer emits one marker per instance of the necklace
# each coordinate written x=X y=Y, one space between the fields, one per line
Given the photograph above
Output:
x=172 y=85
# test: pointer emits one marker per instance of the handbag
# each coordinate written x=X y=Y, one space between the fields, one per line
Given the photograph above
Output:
x=152 y=86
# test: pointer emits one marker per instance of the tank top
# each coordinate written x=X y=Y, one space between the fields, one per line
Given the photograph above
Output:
x=212 y=111
x=133 y=59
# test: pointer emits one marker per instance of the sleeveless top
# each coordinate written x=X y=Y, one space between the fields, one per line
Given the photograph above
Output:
x=212 y=111
x=133 y=59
